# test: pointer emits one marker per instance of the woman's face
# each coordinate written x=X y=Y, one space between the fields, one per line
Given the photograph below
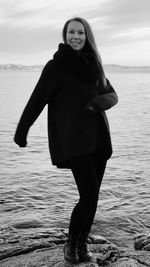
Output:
x=75 y=35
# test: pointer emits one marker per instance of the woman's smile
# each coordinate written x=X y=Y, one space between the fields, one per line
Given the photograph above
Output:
x=75 y=43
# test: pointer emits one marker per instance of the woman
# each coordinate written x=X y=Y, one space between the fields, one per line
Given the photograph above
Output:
x=78 y=130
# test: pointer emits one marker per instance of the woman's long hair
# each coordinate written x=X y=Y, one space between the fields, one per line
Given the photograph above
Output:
x=90 y=44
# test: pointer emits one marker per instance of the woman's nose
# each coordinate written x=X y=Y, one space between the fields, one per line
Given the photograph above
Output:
x=76 y=35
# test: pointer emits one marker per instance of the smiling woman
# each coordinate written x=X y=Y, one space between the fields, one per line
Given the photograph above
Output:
x=78 y=129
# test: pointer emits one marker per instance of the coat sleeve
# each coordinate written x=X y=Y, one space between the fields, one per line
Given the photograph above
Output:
x=106 y=100
x=41 y=95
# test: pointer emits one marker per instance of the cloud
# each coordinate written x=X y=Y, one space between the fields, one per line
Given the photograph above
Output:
x=134 y=33
x=120 y=16
x=23 y=42
x=128 y=13
x=37 y=13
x=34 y=26
x=127 y=54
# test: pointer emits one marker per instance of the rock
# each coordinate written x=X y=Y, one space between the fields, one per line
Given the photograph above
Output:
x=54 y=257
x=42 y=258
x=109 y=254
x=98 y=239
x=48 y=252
x=147 y=247
x=142 y=242
x=125 y=262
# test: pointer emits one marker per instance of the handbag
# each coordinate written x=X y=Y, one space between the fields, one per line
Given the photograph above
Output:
x=104 y=101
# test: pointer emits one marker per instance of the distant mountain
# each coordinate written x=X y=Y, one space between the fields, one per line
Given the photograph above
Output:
x=120 y=68
x=108 y=67
x=16 y=67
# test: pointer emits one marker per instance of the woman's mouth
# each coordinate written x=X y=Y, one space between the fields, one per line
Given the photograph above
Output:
x=75 y=42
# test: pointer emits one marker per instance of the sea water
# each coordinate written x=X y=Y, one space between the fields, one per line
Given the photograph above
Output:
x=36 y=195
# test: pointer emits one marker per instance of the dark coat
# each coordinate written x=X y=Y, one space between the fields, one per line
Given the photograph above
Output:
x=67 y=85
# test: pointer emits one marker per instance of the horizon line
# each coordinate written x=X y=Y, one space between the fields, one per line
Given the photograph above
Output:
x=110 y=64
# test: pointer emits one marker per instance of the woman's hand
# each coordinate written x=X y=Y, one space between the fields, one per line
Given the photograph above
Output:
x=20 y=141
x=92 y=108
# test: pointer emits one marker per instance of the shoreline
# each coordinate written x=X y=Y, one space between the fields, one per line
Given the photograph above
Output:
x=107 y=67
x=49 y=246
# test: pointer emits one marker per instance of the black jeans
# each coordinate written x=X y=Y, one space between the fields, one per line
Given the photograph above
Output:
x=88 y=171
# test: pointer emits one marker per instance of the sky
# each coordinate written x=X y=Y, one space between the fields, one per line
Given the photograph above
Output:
x=30 y=30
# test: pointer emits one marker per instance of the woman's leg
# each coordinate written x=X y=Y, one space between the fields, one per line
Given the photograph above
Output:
x=100 y=166
x=85 y=174
x=88 y=176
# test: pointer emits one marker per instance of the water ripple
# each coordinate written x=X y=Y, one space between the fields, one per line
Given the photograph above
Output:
x=34 y=194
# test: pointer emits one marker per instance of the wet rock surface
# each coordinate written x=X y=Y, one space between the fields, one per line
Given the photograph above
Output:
x=45 y=249
x=142 y=242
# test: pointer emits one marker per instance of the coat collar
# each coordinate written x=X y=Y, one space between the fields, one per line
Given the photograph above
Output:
x=82 y=65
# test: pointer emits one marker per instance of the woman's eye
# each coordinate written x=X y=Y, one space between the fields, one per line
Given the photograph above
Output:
x=72 y=32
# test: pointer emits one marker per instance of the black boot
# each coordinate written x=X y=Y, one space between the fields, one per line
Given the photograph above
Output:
x=84 y=253
x=70 y=249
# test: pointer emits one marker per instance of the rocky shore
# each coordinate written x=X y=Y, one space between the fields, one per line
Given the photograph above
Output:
x=45 y=249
